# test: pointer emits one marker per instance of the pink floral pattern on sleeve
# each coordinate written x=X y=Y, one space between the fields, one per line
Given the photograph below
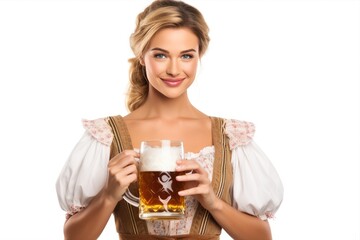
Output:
x=74 y=210
x=99 y=129
x=240 y=133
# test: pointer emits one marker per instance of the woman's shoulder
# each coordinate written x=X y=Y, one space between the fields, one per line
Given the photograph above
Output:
x=239 y=132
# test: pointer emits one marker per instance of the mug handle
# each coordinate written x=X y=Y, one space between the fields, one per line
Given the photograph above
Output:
x=130 y=198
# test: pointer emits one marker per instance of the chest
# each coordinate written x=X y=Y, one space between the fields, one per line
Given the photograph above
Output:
x=196 y=134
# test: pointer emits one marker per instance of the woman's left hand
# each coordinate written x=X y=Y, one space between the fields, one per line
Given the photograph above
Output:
x=197 y=183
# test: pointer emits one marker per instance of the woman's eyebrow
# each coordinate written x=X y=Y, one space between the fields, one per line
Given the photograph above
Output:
x=189 y=50
x=163 y=50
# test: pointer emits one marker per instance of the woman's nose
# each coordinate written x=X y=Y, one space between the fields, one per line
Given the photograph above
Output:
x=173 y=68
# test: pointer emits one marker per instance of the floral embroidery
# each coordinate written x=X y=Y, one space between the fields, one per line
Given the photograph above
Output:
x=269 y=214
x=73 y=210
x=99 y=129
x=239 y=132
x=266 y=215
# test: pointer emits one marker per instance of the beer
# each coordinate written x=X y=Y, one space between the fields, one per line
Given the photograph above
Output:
x=158 y=192
x=158 y=188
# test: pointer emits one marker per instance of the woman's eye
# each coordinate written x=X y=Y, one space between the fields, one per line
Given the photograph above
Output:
x=187 y=56
x=160 y=56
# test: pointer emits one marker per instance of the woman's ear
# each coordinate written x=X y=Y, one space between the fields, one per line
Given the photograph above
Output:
x=141 y=60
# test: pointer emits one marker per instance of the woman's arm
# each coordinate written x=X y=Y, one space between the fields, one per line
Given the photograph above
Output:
x=90 y=222
x=237 y=224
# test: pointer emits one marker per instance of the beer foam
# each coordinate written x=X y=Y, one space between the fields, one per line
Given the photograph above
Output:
x=159 y=159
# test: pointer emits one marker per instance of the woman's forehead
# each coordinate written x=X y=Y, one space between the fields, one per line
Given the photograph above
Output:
x=174 y=40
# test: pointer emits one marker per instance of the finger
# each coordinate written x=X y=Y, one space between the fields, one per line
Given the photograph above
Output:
x=193 y=191
x=124 y=181
x=189 y=165
x=131 y=169
x=119 y=171
x=197 y=179
x=124 y=158
x=121 y=177
x=126 y=153
x=186 y=165
x=123 y=165
x=127 y=179
x=122 y=168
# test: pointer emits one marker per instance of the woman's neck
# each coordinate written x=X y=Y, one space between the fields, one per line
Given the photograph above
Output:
x=166 y=108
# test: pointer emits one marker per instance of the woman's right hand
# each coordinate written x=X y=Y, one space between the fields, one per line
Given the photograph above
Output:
x=122 y=171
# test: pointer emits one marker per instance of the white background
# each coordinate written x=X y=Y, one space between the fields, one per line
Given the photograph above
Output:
x=291 y=67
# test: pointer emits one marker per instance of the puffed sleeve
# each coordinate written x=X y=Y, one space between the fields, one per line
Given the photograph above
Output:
x=85 y=172
x=257 y=188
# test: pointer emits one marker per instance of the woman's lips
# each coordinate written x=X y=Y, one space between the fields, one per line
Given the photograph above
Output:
x=173 y=82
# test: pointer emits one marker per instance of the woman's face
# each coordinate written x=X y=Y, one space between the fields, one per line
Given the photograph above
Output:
x=171 y=61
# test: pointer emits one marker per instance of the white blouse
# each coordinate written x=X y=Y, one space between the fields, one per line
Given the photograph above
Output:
x=257 y=188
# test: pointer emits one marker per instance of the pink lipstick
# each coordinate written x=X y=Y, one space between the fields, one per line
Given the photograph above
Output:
x=173 y=82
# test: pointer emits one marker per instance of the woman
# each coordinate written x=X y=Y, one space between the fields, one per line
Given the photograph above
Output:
x=232 y=186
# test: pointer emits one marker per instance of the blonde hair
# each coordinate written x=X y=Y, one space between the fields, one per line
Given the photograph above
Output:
x=159 y=15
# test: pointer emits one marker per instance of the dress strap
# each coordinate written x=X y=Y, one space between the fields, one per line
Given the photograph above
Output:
x=126 y=216
x=203 y=223
x=121 y=133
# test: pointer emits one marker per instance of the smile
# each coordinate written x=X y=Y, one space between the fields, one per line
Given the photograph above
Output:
x=173 y=82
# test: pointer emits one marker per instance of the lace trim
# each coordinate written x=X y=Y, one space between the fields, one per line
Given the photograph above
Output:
x=267 y=215
x=74 y=210
x=205 y=151
x=189 y=155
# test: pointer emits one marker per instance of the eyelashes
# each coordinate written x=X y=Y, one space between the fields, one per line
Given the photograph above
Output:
x=163 y=56
x=159 y=56
x=187 y=56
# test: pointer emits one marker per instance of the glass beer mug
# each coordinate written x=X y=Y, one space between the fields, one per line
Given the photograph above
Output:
x=158 y=188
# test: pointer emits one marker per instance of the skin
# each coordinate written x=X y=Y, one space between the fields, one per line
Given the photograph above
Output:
x=172 y=55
